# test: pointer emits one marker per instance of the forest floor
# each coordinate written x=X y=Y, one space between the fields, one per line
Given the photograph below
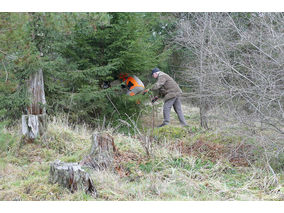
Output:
x=184 y=164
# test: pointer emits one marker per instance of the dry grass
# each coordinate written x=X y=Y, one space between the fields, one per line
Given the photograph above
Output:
x=184 y=164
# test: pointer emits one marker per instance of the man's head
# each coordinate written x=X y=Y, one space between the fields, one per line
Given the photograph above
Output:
x=155 y=72
x=123 y=76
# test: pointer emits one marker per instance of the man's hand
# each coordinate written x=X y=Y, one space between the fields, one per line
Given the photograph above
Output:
x=154 y=99
x=145 y=91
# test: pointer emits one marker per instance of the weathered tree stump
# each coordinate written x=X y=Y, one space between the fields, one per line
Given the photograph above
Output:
x=71 y=176
x=102 y=152
x=33 y=126
x=34 y=122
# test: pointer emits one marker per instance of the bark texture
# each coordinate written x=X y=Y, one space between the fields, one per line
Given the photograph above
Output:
x=102 y=152
x=37 y=94
x=33 y=125
x=34 y=122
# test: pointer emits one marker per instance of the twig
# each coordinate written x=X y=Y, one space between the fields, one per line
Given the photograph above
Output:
x=124 y=122
x=144 y=139
x=134 y=124
x=113 y=104
x=3 y=52
x=243 y=36
x=5 y=71
x=269 y=167
x=153 y=113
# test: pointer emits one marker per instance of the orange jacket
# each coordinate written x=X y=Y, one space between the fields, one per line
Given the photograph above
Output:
x=132 y=82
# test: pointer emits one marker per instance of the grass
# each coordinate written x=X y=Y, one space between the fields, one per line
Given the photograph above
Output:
x=172 y=172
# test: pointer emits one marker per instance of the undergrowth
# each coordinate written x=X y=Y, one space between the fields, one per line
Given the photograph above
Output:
x=184 y=164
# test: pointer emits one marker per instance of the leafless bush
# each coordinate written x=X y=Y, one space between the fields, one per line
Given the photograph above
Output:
x=236 y=65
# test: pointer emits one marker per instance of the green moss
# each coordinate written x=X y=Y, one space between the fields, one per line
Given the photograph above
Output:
x=206 y=164
x=19 y=161
x=169 y=132
x=179 y=162
x=76 y=157
x=235 y=179
x=48 y=154
x=8 y=142
x=146 y=167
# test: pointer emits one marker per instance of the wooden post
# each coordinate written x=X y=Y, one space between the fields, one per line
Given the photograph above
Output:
x=71 y=176
x=34 y=123
x=102 y=152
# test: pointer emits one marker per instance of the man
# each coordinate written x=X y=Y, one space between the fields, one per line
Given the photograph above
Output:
x=168 y=88
x=133 y=84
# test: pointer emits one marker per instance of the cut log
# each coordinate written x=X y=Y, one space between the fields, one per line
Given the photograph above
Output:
x=71 y=176
x=102 y=152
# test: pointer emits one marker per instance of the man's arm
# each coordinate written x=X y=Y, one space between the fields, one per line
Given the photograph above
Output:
x=161 y=81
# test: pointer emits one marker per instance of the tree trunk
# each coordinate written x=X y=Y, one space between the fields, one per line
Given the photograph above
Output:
x=203 y=118
x=102 y=152
x=203 y=108
x=36 y=91
x=71 y=176
x=34 y=122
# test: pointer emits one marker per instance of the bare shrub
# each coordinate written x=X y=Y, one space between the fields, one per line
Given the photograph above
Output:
x=235 y=64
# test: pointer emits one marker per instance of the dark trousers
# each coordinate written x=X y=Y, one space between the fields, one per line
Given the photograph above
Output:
x=176 y=103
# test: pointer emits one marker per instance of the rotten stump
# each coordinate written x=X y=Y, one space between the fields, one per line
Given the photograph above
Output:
x=71 y=176
x=102 y=152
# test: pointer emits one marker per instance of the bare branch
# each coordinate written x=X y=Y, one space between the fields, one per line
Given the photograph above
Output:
x=5 y=70
x=3 y=52
x=243 y=36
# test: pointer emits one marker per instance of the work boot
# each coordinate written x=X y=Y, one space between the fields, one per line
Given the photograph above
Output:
x=184 y=125
x=163 y=124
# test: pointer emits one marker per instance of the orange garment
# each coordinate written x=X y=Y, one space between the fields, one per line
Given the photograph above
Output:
x=123 y=76
x=133 y=83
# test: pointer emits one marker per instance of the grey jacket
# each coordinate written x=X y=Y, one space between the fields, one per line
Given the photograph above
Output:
x=167 y=86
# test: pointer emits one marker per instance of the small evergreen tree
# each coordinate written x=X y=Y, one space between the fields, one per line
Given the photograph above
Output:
x=99 y=54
